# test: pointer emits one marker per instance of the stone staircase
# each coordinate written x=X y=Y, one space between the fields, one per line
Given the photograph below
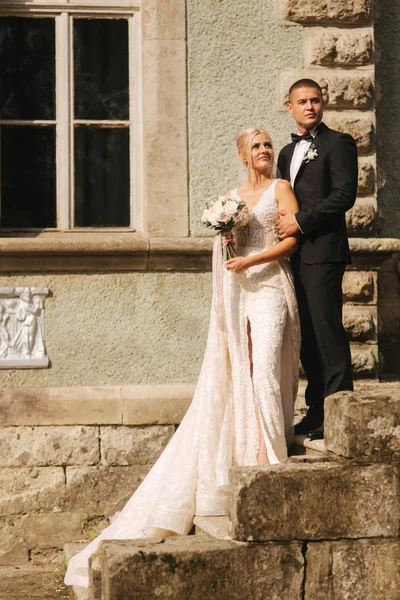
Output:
x=32 y=582
x=317 y=527
x=62 y=481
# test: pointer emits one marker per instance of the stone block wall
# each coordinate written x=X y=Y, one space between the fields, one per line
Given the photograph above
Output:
x=339 y=53
x=64 y=483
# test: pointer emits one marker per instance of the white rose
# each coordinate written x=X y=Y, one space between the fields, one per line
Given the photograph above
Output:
x=230 y=207
x=212 y=216
x=218 y=207
x=204 y=216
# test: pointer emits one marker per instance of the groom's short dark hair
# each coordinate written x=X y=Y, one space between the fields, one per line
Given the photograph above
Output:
x=307 y=83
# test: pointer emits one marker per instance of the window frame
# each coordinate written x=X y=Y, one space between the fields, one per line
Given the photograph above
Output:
x=63 y=15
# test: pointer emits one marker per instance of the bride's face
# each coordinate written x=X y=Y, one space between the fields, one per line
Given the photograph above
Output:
x=262 y=152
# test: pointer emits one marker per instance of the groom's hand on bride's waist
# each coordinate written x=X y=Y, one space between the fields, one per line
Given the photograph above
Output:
x=287 y=224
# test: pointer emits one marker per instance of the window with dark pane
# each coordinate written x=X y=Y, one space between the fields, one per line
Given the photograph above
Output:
x=101 y=72
x=101 y=177
x=27 y=68
x=28 y=182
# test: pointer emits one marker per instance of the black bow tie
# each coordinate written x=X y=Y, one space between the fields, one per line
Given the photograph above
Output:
x=307 y=137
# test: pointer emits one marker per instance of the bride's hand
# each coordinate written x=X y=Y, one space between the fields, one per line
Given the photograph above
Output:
x=238 y=265
x=227 y=238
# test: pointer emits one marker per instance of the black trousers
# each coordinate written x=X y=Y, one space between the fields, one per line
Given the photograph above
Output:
x=325 y=350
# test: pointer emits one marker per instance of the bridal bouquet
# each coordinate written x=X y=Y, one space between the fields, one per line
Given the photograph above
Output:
x=223 y=215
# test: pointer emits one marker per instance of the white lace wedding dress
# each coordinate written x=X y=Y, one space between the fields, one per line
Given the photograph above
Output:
x=220 y=428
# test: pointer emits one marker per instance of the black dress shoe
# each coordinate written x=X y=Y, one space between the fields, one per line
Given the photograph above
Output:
x=316 y=434
x=313 y=419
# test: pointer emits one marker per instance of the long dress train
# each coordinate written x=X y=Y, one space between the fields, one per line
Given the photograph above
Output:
x=220 y=428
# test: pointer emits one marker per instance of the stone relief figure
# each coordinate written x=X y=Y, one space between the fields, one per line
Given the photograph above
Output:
x=22 y=327
x=4 y=337
x=28 y=341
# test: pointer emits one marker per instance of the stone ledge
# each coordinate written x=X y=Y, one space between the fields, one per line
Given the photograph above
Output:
x=179 y=254
x=128 y=251
x=108 y=405
x=22 y=254
x=376 y=246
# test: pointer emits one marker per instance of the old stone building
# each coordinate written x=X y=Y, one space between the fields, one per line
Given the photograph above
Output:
x=117 y=124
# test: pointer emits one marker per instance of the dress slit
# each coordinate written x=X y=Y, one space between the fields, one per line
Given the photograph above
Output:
x=256 y=405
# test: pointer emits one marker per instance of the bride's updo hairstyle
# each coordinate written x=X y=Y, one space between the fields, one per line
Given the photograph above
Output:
x=244 y=141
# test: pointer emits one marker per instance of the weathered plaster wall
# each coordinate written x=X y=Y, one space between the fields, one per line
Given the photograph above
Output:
x=150 y=328
x=115 y=329
x=387 y=39
x=236 y=51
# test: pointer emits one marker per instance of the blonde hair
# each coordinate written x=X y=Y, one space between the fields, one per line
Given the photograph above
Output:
x=244 y=141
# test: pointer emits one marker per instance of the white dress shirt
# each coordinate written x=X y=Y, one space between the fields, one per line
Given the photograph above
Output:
x=298 y=156
x=297 y=159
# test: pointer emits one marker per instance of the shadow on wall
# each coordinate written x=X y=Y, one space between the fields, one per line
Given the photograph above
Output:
x=387 y=40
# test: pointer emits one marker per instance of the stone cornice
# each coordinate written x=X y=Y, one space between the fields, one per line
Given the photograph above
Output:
x=130 y=251
x=374 y=245
x=98 y=405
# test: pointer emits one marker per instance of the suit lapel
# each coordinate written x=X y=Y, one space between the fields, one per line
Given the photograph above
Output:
x=289 y=153
x=321 y=133
x=319 y=138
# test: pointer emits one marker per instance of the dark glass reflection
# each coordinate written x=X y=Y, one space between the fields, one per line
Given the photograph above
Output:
x=101 y=177
x=101 y=69
x=28 y=177
x=27 y=68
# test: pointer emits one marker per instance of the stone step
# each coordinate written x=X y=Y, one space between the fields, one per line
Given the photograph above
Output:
x=197 y=567
x=77 y=592
x=212 y=527
x=303 y=446
x=324 y=497
x=29 y=582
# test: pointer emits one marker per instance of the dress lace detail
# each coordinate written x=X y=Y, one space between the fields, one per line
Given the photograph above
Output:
x=220 y=428
x=261 y=230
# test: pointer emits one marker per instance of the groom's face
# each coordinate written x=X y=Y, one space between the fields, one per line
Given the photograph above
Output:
x=307 y=107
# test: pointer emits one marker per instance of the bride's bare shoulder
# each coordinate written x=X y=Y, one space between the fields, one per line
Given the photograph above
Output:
x=283 y=185
x=283 y=192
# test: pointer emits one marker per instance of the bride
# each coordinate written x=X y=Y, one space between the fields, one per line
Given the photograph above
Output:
x=242 y=409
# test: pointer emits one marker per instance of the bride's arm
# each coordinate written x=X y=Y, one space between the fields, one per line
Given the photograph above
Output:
x=286 y=200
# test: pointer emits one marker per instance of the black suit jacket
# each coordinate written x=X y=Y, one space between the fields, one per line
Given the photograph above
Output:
x=325 y=188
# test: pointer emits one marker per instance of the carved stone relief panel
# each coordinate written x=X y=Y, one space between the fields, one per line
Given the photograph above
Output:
x=22 y=343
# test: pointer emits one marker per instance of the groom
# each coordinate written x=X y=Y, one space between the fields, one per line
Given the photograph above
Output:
x=321 y=165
